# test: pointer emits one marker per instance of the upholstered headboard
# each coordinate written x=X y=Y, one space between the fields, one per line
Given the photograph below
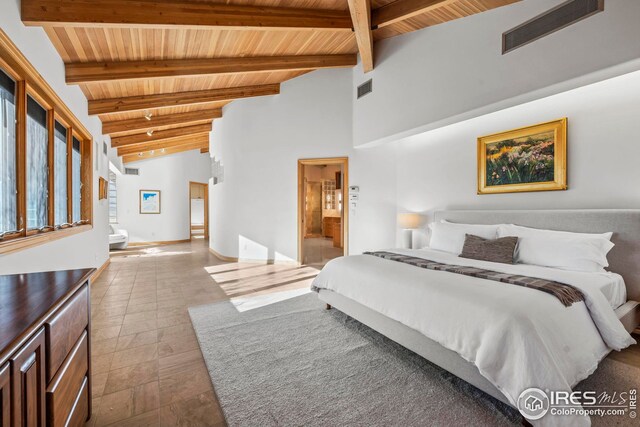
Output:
x=624 y=258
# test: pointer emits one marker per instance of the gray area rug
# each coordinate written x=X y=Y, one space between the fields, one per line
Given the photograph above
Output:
x=293 y=363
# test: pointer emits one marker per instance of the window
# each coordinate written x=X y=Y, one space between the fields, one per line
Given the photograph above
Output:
x=113 y=199
x=76 y=181
x=45 y=159
x=8 y=188
x=37 y=169
x=60 y=155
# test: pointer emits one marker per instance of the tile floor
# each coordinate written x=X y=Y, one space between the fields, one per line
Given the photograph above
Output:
x=147 y=366
x=319 y=250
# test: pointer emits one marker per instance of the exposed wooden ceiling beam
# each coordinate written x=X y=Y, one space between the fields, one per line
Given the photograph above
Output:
x=158 y=153
x=204 y=150
x=160 y=122
x=145 y=102
x=141 y=138
x=361 y=16
x=91 y=72
x=158 y=14
x=164 y=144
x=403 y=9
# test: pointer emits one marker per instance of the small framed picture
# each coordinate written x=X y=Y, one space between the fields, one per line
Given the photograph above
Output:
x=149 y=201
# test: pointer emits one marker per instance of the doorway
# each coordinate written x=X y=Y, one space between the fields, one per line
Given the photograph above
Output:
x=198 y=210
x=322 y=218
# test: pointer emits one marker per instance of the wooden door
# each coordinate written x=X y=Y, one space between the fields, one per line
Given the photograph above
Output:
x=27 y=368
x=5 y=396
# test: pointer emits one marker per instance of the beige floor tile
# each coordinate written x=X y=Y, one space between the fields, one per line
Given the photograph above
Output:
x=124 y=404
x=148 y=299
x=133 y=327
x=181 y=382
x=107 y=311
x=138 y=308
x=148 y=419
x=104 y=346
x=201 y=410
x=98 y=382
x=182 y=358
x=101 y=364
x=104 y=333
x=167 y=321
x=141 y=316
x=134 y=356
x=136 y=340
x=131 y=376
x=106 y=322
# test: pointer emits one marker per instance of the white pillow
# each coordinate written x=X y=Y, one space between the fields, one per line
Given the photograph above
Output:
x=560 y=249
x=449 y=236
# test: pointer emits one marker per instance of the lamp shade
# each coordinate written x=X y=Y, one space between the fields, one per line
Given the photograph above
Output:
x=409 y=221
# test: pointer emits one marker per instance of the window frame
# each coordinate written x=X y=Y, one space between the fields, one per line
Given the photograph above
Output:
x=33 y=94
x=115 y=185
x=29 y=83
x=58 y=119
x=17 y=91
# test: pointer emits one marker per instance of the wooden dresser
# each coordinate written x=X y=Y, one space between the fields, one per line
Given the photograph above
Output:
x=45 y=349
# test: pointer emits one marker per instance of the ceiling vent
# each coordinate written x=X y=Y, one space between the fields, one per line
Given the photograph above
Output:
x=131 y=171
x=365 y=88
x=549 y=22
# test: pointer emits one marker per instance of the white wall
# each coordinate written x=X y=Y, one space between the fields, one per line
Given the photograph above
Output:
x=254 y=211
x=88 y=249
x=259 y=141
x=455 y=71
x=197 y=211
x=171 y=175
x=439 y=167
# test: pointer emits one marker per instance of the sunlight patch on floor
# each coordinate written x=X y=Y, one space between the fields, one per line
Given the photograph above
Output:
x=147 y=253
x=252 y=302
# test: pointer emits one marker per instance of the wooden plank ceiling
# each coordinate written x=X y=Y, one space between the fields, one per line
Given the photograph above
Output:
x=158 y=72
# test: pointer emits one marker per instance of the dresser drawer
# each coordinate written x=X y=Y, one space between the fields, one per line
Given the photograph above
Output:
x=64 y=329
x=80 y=410
x=67 y=384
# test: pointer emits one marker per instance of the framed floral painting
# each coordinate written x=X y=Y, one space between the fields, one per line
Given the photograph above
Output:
x=532 y=158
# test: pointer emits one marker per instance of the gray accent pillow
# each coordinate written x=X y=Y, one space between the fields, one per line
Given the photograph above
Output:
x=498 y=250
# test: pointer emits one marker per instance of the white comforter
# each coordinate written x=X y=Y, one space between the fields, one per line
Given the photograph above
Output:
x=517 y=337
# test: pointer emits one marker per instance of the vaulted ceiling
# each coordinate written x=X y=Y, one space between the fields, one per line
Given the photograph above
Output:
x=158 y=72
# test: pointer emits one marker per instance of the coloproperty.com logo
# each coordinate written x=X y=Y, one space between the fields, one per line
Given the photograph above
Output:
x=534 y=403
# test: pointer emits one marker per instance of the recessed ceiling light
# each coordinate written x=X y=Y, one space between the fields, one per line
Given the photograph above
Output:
x=162 y=150
x=151 y=151
x=150 y=132
x=139 y=154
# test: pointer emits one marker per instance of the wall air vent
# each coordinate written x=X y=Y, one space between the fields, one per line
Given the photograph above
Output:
x=365 y=88
x=131 y=171
x=549 y=22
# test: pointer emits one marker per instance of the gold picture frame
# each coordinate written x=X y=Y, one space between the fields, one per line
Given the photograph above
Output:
x=532 y=158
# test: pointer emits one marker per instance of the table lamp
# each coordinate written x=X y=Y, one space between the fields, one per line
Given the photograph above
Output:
x=408 y=222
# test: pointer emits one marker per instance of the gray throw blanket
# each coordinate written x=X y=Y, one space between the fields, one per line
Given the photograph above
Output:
x=567 y=294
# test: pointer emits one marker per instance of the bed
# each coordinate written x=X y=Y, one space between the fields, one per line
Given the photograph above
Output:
x=464 y=324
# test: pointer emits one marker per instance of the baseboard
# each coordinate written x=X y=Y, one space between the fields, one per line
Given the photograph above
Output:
x=100 y=270
x=159 y=243
x=254 y=261
x=222 y=257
